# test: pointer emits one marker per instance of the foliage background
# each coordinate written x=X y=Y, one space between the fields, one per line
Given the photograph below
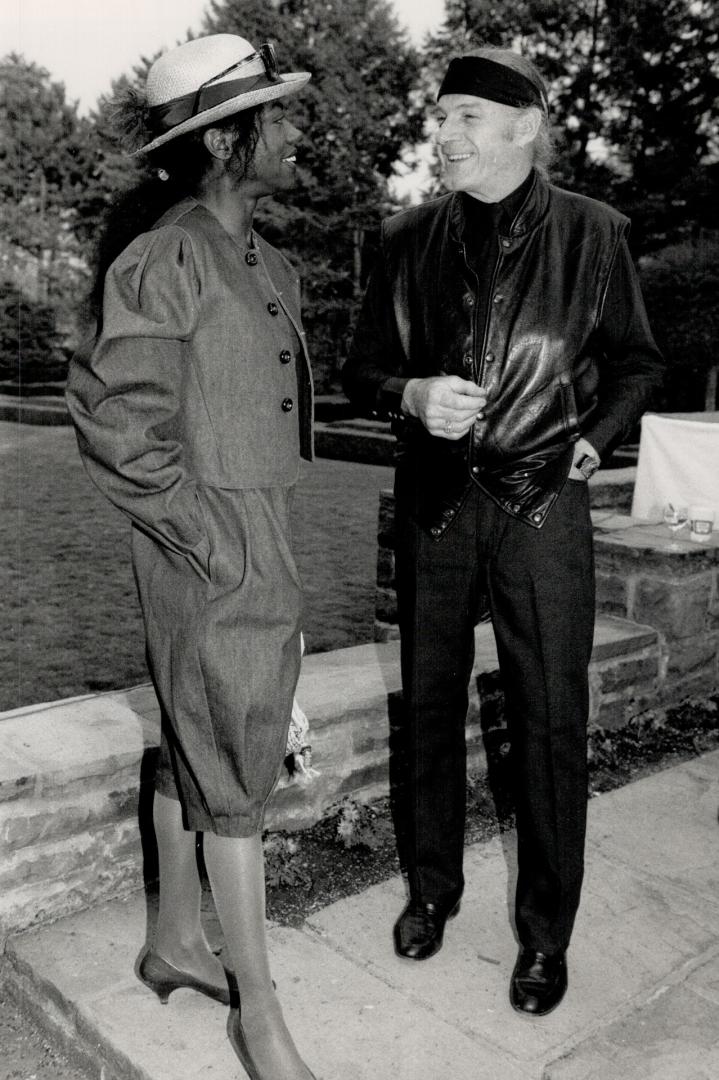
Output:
x=634 y=89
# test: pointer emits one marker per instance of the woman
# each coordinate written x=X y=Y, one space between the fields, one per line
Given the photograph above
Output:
x=193 y=405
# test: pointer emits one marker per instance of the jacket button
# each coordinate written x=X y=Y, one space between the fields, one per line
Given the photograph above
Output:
x=285 y=356
x=536 y=517
x=497 y=298
x=506 y=243
x=468 y=360
x=470 y=301
x=272 y=308
x=475 y=469
x=288 y=404
x=489 y=357
x=251 y=258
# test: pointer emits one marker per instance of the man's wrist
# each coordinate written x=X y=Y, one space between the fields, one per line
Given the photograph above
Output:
x=587 y=465
x=408 y=402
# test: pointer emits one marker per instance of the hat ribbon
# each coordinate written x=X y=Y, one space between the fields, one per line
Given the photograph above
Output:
x=168 y=115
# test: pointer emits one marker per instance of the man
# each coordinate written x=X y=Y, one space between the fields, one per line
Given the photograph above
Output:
x=504 y=333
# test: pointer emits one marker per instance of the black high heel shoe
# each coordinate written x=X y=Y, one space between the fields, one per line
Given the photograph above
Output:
x=239 y=1044
x=162 y=978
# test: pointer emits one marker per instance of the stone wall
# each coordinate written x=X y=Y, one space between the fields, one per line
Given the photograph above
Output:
x=671 y=584
x=76 y=776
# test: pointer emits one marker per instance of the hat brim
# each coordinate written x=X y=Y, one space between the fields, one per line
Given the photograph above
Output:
x=287 y=84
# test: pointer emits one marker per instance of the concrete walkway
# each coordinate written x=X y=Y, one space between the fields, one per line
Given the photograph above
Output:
x=643 y=1002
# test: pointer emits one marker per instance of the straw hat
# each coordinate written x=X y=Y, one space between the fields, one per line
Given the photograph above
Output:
x=208 y=79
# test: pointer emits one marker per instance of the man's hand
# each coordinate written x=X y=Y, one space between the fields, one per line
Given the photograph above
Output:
x=582 y=448
x=446 y=404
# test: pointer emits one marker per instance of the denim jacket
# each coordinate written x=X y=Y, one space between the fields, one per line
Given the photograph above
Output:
x=198 y=374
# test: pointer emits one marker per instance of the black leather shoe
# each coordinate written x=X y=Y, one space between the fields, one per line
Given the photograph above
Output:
x=539 y=982
x=419 y=931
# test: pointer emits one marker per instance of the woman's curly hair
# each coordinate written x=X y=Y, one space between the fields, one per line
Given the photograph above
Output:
x=165 y=176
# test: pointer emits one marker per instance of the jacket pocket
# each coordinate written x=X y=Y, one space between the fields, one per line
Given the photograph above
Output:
x=200 y=556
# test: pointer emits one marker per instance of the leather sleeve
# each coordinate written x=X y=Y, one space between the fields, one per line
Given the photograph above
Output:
x=633 y=369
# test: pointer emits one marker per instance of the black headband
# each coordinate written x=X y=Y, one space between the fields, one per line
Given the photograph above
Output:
x=480 y=77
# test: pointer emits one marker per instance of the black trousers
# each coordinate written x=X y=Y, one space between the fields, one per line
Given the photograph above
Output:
x=540 y=588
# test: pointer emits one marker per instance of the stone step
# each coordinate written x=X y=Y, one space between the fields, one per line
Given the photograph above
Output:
x=76 y=775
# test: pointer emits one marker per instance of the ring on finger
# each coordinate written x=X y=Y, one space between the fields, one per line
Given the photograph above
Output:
x=448 y=427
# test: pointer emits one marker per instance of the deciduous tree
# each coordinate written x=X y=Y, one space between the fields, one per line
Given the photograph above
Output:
x=45 y=160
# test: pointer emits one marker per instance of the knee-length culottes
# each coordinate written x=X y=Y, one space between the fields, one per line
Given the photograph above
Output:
x=224 y=654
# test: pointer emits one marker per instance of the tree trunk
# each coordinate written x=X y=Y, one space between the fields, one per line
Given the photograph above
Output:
x=710 y=392
x=357 y=241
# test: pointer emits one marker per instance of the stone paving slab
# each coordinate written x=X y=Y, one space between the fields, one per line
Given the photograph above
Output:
x=639 y=919
x=676 y=807
x=673 y=1035
x=643 y=1002
x=348 y=1024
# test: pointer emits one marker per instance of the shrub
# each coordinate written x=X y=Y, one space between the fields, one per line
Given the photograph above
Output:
x=681 y=290
x=362 y=825
x=283 y=863
x=30 y=348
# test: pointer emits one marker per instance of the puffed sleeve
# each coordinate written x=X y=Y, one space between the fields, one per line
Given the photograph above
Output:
x=124 y=390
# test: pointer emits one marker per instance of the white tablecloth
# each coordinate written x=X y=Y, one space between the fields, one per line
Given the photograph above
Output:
x=678 y=463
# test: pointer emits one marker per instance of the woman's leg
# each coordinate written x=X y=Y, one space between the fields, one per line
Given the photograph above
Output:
x=179 y=936
x=235 y=867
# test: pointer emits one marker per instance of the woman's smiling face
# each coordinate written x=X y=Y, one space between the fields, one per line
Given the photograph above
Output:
x=272 y=168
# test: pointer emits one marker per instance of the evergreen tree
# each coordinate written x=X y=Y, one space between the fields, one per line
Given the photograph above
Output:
x=634 y=84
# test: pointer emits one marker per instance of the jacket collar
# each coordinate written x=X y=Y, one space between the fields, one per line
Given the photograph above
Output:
x=532 y=209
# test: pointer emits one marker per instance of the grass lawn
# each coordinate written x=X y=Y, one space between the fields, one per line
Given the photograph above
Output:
x=72 y=623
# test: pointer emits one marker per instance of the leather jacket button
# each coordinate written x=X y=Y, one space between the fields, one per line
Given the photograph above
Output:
x=506 y=243
x=536 y=517
x=489 y=357
x=497 y=298
x=470 y=301
x=468 y=360
x=475 y=469
x=272 y=308
x=285 y=356
x=251 y=258
x=288 y=404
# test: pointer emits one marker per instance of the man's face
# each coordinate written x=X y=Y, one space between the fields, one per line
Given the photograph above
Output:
x=479 y=147
x=272 y=168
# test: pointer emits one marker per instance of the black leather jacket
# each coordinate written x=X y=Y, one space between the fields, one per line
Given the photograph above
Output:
x=554 y=363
